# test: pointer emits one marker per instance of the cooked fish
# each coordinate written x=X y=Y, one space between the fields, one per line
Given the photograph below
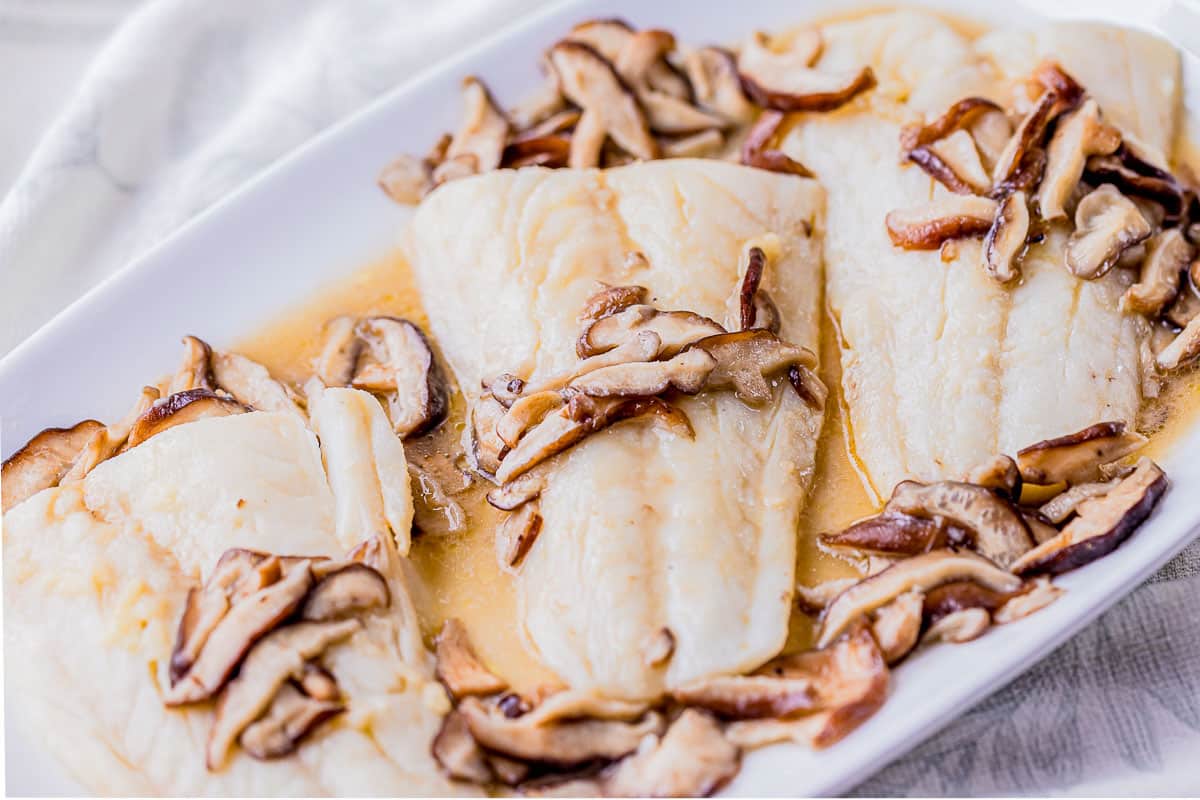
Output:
x=96 y=574
x=942 y=366
x=643 y=529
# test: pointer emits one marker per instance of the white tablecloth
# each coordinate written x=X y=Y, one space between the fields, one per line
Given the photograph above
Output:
x=186 y=99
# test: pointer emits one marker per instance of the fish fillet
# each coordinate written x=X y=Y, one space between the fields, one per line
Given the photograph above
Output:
x=943 y=367
x=643 y=530
x=96 y=575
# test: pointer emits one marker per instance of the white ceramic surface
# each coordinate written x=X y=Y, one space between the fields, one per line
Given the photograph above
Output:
x=317 y=216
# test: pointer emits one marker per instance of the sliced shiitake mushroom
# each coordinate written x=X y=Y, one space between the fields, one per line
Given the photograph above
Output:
x=686 y=372
x=1005 y=241
x=1061 y=94
x=406 y=179
x=675 y=329
x=892 y=534
x=692 y=759
x=958 y=627
x=44 y=461
x=1061 y=506
x=199 y=672
x=290 y=717
x=610 y=107
x=612 y=37
x=850 y=679
x=950 y=598
x=276 y=658
x=456 y=751
x=608 y=300
x=927 y=227
x=526 y=412
x=1168 y=255
x=748 y=291
x=713 y=74
x=695 y=145
x=750 y=696
x=920 y=573
x=563 y=743
x=348 y=590
x=786 y=81
x=1000 y=474
x=1138 y=177
x=1186 y=306
x=567 y=704
x=811 y=600
x=517 y=492
x=1077 y=457
x=484 y=447
x=251 y=383
x=1106 y=224
x=1038 y=594
x=747 y=360
x=340 y=348
x=181 y=408
x=760 y=148
x=484 y=129
x=897 y=626
x=1100 y=524
x=959 y=116
x=955 y=163
x=1182 y=349
x=403 y=367
x=106 y=443
x=516 y=534
x=458 y=668
x=1079 y=134
x=552 y=150
x=999 y=531
x=665 y=112
x=196 y=370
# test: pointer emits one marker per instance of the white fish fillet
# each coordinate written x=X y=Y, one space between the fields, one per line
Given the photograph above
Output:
x=642 y=529
x=96 y=575
x=942 y=367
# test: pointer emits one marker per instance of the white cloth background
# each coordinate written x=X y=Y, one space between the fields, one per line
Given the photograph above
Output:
x=189 y=98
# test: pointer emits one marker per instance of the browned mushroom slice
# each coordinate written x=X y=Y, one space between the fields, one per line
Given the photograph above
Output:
x=611 y=37
x=666 y=113
x=1100 y=524
x=245 y=623
x=1063 y=505
x=484 y=129
x=505 y=387
x=955 y=163
x=277 y=657
x=921 y=573
x=1168 y=255
x=1000 y=474
x=927 y=227
x=759 y=149
x=1039 y=594
x=692 y=759
x=756 y=262
x=567 y=704
x=897 y=626
x=1182 y=349
x=950 y=598
x=351 y=589
x=1028 y=137
x=1077 y=457
x=1137 y=177
x=44 y=461
x=196 y=370
x=713 y=74
x=991 y=131
x=458 y=668
x=1106 y=224
x=456 y=751
x=959 y=116
x=1005 y=241
x=592 y=83
x=675 y=329
x=251 y=384
x=291 y=716
x=406 y=179
x=785 y=81
x=851 y=679
x=1187 y=304
x=686 y=372
x=559 y=123
x=695 y=145
x=564 y=743
x=894 y=534
x=551 y=150
x=340 y=347
x=405 y=369
x=999 y=531
x=1026 y=176
x=527 y=411
x=516 y=535
x=958 y=627
x=485 y=449
x=517 y=493
x=812 y=600
x=747 y=360
x=609 y=300
x=750 y=696
x=106 y=443
x=181 y=408
x=1079 y=134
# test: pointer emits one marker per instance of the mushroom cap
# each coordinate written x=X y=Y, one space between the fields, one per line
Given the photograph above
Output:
x=785 y=81
x=1106 y=224
x=43 y=461
x=1077 y=457
x=928 y=226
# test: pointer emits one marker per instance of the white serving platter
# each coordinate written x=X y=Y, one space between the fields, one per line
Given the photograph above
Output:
x=317 y=215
